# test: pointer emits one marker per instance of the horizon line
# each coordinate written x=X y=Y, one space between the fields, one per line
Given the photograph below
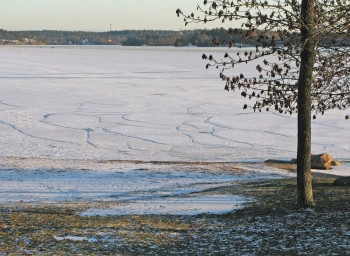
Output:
x=108 y=31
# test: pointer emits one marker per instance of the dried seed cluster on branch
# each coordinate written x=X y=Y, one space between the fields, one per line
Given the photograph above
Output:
x=274 y=26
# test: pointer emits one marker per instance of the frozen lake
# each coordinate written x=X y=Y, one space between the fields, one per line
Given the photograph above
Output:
x=124 y=103
x=139 y=103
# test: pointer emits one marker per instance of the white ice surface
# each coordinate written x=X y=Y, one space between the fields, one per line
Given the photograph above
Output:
x=147 y=189
x=126 y=103
x=140 y=103
x=121 y=182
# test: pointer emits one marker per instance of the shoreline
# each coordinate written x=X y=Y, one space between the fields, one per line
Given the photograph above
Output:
x=75 y=163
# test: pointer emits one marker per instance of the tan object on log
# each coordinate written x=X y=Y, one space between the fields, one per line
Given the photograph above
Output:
x=322 y=161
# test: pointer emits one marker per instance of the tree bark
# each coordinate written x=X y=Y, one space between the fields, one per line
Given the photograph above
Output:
x=308 y=53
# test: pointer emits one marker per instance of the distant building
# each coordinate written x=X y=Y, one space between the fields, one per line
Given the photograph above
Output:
x=85 y=42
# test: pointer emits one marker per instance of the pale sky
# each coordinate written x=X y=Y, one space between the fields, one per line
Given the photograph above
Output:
x=95 y=15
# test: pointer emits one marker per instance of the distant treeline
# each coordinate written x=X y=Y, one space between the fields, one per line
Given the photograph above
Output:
x=125 y=37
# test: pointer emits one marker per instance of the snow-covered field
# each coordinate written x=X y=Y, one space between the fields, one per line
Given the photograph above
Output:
x=92 y=104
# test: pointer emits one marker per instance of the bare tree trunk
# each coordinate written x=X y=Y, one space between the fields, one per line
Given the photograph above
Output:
x=309 y=42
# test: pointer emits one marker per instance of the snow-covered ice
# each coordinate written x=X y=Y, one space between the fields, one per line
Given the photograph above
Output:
x=146 y=103
x=143 y=188
x=131 y=103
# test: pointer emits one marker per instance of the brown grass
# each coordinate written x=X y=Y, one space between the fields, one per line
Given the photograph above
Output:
x=271 y=225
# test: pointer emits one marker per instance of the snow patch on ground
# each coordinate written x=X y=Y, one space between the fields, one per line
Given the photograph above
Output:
x=76 y=239
x=192 y=205
x=342 y=170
